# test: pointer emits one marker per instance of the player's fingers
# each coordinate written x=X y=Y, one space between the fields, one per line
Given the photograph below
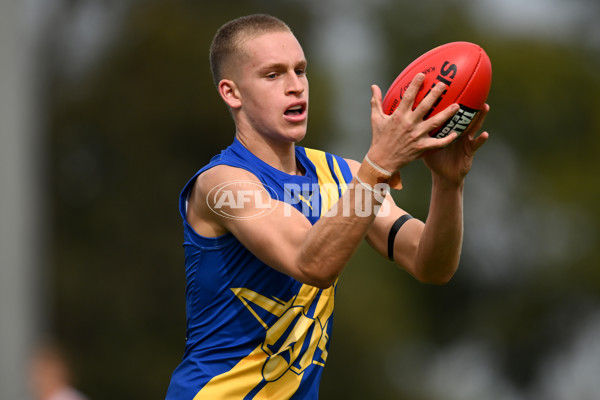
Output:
x=445 y=141
x=410 y=95
x=478 y=123
x=429 y=100
x=440 y=118
x=479 y=141
x=376 y=106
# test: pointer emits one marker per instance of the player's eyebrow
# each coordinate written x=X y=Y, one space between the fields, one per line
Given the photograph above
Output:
x=282 y=66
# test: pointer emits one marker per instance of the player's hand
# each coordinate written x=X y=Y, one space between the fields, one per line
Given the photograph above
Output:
x=454 y=162
x=403 y=136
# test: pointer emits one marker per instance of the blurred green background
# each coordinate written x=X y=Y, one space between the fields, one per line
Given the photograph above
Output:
x=128 y=112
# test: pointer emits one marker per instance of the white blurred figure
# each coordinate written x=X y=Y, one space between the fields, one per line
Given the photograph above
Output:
x=51 y=377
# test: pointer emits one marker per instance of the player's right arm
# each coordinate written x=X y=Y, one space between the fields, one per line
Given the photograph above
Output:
x=284 y=239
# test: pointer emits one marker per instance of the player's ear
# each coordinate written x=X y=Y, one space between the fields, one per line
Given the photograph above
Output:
x=230 y=93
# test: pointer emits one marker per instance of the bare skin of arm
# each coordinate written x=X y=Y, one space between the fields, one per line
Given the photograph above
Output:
x=316 y=254
x=431 y=251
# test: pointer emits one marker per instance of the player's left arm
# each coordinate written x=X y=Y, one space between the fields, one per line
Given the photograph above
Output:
x=430 y=251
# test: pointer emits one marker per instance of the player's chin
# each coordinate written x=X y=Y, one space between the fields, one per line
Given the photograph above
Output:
x=299 y=137
x=296 y=133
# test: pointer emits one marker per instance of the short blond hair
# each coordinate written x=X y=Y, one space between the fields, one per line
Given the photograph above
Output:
x=225 y=46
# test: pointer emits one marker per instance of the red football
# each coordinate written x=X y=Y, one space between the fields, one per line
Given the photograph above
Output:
x=467 y=71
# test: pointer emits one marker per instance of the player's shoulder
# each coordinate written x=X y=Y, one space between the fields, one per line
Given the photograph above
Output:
x=220 y=175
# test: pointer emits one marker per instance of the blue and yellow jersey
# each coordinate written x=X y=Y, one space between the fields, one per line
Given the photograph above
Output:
x=252 y=331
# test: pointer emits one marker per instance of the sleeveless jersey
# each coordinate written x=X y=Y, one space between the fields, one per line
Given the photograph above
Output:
x=252 y=331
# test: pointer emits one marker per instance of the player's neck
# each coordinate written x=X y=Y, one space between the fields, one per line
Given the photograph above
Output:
x=278 y=154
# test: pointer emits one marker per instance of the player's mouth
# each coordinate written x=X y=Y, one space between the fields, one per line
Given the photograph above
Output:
x=296 y=112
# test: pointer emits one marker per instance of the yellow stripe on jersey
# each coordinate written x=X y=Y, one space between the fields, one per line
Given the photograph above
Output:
x=340 y=176
x=329 y=189
x=282 y=370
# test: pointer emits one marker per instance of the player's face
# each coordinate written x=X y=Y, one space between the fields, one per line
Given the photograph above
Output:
x=273 y=87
